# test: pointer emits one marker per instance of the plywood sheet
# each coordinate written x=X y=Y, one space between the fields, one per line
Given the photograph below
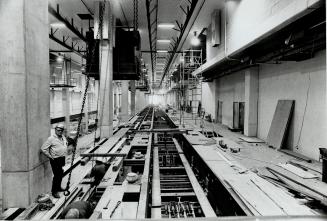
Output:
x=288 y=204
x=256 y=198
x=252 y=140
x=280 y=123
x=298 y=171
x=313 y=185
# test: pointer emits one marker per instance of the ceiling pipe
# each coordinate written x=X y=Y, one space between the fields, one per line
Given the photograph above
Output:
x=185 y=29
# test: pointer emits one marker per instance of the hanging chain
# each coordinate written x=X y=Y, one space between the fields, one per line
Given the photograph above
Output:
x=136 y=14
x=99 y=34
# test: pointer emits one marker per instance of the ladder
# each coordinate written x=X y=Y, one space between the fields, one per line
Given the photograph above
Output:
x=192 y=61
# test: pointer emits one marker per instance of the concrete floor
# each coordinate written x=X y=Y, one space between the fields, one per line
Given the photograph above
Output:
x=254 y=156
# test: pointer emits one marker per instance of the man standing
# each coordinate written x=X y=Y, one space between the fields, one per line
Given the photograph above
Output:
x=55 y=148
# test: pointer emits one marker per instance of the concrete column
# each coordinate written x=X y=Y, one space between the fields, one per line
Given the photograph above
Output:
x=66 y=108
x=251 y=101
x=117 y=99
x=25 y=100
x=106 y=70
x=106 y=115
x=133 y=89
x=86 y=113
x=124 y=101
x=114 y=98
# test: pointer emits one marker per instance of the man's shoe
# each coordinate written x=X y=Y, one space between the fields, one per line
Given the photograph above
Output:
x=56 y=195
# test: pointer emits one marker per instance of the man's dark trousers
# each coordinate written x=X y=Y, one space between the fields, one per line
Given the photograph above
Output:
x=56 y=165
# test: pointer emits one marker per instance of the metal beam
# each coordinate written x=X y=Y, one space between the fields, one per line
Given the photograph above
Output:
x=52 y=37
x=87 y=7
x=152 y=32
x=183 y=34
x=103 y=154
x=70 y=26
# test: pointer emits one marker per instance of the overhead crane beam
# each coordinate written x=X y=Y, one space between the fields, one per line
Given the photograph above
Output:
x=69 y=25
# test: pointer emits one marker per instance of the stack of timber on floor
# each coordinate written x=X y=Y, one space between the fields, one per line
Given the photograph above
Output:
x=310 y=187
x=255 y=195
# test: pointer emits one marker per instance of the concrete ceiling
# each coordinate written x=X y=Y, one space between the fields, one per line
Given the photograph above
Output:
x=169 y=11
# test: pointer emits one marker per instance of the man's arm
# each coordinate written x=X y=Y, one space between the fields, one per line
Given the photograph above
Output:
x=46 y=148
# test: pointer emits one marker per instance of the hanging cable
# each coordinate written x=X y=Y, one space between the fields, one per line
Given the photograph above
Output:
x=101 y=12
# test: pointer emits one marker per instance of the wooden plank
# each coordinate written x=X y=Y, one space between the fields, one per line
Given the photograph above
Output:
x=143 y=201
x=296 y=155
x=289 y=205
x=297 y=171
x=156 y=198
x=315 y=166
x=313 y=185
x=128 y=211
x=178 y=194
x=280 y=123
x=299 y=188
x=68 y=167
x=254 y=196
x=28 y=212
x=227 y=169
x=59 y=205
x=203 y=200
x=133 y=188
x=112 y=173
x=112 y=141
x=251 y=139
x=110 y=202
x=103 y=155
x=9 y=213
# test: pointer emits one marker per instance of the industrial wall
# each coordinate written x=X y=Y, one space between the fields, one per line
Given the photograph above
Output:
x=230 y=89
x=209 y=98
x=304 y=82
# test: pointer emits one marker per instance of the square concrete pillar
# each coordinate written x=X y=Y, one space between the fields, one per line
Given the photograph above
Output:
x=106 y=69
x=133 y=89
x=124 y=101
x=66 y=108
x=106 y=90
x=251 y=101
x=25 y=100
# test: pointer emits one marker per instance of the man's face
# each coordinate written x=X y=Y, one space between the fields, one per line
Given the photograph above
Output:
x=59 y=131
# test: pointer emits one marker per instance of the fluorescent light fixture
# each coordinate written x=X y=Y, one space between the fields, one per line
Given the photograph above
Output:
x=166 y=25
x=58 y=25
x=162 y=51
x=163 y=41
x=195 y=41
x=60 y=59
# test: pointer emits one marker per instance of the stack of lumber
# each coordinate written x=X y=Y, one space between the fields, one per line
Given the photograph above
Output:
x=254 y=194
